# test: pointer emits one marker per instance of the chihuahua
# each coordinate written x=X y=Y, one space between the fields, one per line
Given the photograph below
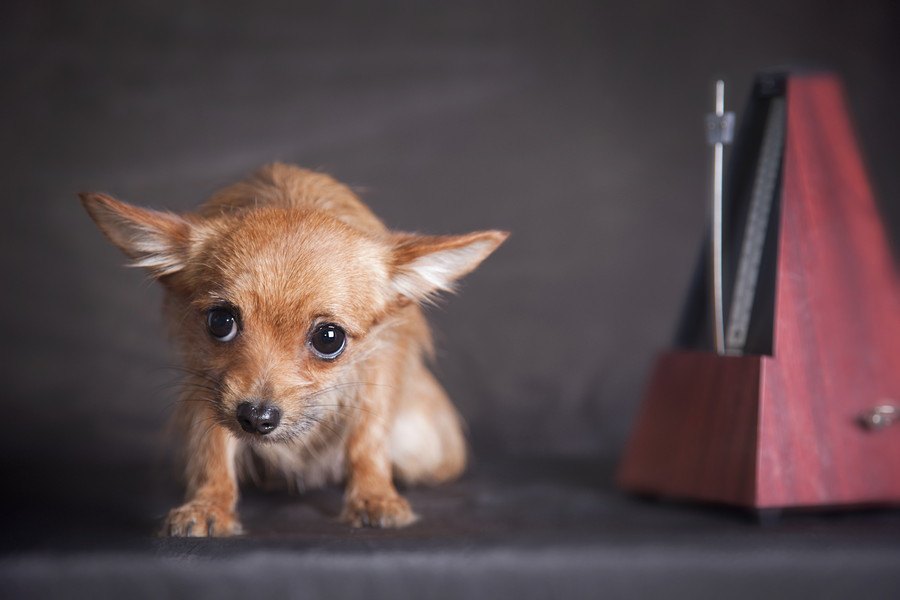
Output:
x=298 y=317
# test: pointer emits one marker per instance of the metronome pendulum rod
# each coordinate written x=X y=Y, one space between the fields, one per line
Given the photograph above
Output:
x=719 y=131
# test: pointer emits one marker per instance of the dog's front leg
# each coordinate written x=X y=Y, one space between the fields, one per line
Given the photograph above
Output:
x=211 y=486
x=370 y=499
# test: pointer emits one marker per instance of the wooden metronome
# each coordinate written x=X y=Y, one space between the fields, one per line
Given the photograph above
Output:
x=793 y=405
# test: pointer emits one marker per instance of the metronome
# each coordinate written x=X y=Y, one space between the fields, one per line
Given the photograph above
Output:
x=785 y=381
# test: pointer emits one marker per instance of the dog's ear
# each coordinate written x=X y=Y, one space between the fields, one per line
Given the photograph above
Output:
x=155 y=240
x=426 y=265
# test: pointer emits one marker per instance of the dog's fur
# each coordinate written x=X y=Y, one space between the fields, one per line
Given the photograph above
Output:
x=289 y=249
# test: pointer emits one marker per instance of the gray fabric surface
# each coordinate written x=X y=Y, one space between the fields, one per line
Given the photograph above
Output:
x=510 y=529
x=577 y=126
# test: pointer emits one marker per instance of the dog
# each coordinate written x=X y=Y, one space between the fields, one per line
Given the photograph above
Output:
x=299 y=319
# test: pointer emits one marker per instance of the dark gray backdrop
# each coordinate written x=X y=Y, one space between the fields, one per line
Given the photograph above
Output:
x=576 y=125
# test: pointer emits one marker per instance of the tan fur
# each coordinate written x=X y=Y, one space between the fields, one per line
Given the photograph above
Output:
x=290 y=248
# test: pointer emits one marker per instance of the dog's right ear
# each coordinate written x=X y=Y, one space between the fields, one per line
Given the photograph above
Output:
x=155 y=240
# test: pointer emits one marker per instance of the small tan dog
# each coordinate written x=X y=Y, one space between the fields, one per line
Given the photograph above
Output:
x=297 y=315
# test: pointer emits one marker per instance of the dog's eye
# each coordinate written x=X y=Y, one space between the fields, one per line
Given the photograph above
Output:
x=221 y=324
x=328 y=341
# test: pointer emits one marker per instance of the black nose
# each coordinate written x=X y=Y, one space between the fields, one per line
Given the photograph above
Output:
x=258 y=418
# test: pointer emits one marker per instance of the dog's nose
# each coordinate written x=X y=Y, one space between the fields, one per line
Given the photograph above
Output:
x=258 y=418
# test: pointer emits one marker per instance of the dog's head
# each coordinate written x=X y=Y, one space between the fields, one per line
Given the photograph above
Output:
x=276 y=308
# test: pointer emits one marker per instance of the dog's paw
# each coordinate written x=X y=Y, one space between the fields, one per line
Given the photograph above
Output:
x=200 y=519
x=390 y=510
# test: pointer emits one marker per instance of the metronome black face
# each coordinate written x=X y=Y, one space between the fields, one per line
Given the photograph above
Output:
x=747 y=292
x=749 y=232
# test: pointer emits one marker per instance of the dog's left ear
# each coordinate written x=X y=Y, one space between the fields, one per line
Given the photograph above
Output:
x=426 y=265
x=157 y=241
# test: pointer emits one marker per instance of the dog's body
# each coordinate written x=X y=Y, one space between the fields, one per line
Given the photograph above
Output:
x=297 y=314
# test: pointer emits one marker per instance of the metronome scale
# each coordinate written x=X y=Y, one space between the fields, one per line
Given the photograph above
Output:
x=785 y=382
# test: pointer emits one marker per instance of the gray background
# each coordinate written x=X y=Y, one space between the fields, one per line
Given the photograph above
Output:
x=576 y=125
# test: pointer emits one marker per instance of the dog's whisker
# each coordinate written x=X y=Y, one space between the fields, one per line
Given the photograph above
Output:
x=322 y=423
x=347 y=406
x=339 y=386
x=211 y=426
x=188 y=372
